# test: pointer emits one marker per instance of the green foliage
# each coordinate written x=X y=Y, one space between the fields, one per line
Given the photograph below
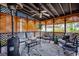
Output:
x=40 y=26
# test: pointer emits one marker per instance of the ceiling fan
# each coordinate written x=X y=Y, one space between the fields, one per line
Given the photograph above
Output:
x=40 y=13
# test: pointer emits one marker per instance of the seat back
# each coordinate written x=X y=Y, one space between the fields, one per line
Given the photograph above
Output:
x=22 y=38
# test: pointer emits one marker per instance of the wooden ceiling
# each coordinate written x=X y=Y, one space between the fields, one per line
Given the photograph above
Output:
x=55 y=10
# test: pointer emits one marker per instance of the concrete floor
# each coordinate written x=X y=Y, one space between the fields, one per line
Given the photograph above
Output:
x=43 y=49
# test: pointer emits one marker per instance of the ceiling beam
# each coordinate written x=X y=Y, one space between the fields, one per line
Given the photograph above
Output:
x=52 y=8
x=61 y=8
x=33 y=6
x=47 y=10
x=70 y=6
x=27 y=7
x=66 y=16
x=27 y=11
x=24 y=12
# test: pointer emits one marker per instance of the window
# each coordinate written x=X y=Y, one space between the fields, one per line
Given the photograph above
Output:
x=59 y=28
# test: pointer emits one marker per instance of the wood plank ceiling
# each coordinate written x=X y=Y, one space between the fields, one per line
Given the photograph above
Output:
x=53 y=9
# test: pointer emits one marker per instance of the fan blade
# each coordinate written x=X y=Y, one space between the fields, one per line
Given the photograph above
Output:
x=34 y=15
x=40 y=15
x=46 y=14
x=43 y=11
x=20 y=5
x=4 y=4
x=34 y=11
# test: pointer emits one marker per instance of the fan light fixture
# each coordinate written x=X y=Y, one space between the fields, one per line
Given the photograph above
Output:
x=40 y=13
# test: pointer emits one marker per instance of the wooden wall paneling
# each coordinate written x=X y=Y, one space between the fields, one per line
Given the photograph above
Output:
x=27 y=24
x=15 y=23
x=8 y=23
x=49 y=22
x=34 y=27
x=59 y=21
x=30 y=25
x=0 y=22
x=37 y=26
x=18 y=24
x=43 y=22
x=24 y=25
x=3 y=23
